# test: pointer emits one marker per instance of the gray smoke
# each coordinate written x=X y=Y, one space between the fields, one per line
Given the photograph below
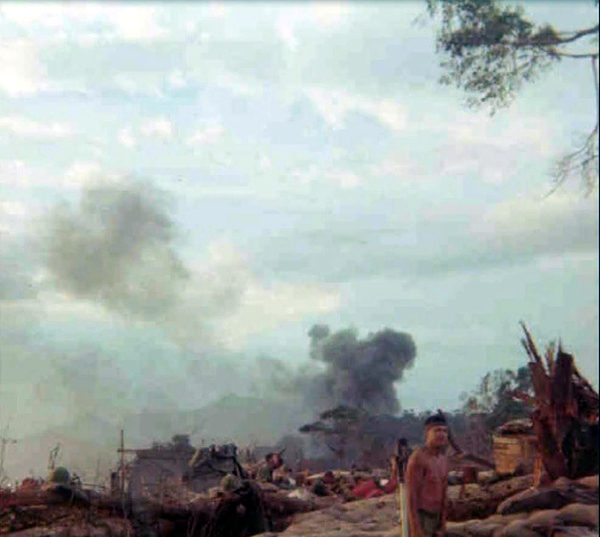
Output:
x=359 y=373
x=117 y=249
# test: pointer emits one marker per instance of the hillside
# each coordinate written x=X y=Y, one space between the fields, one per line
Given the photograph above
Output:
x=88 y=446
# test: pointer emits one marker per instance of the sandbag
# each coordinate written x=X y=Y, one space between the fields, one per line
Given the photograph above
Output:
x=543 y=521
x=590 y=482
x=455 y=531
x=574 y=531
x=518 y=528
x=482 y=528
x=554 y=497
x=578 y=514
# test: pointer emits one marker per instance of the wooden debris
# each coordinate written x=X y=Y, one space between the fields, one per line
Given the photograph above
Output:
x=563 y=401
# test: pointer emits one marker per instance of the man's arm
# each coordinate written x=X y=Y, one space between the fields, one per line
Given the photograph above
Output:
x=414 y=475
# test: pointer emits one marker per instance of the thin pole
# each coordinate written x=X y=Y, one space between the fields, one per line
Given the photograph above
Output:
x=122 y=463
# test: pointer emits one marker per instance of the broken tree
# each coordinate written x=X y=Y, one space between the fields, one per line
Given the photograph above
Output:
x=565 y=418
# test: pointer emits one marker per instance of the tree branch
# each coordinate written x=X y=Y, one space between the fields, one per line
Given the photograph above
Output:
x=579 y=56
x=578 y=35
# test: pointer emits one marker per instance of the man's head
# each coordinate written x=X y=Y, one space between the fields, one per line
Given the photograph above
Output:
x=436 y=431
x=274 y=460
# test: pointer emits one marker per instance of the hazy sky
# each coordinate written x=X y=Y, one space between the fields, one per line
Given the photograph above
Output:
x=186 y=187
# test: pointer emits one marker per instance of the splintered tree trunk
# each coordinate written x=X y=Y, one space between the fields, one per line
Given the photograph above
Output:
x=552 y=456
x=562 y=399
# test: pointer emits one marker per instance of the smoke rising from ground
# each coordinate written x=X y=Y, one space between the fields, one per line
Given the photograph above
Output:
x=359 y=373
x=117 y=249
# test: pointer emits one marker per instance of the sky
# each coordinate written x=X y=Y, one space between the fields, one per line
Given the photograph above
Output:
x=185 y=189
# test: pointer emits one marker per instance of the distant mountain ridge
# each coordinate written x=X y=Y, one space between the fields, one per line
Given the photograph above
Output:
x=89 y=445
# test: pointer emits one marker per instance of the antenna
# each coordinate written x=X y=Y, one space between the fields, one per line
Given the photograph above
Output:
x=4 y=440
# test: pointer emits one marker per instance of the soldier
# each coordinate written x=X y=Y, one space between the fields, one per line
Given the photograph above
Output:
x=427 y=480
x=272 y=461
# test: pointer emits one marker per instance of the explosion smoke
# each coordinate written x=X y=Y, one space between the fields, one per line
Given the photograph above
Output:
x=117 y=250
x=360 y=373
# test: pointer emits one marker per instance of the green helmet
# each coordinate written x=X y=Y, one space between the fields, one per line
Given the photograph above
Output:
x=60 y=475
x=230 y=483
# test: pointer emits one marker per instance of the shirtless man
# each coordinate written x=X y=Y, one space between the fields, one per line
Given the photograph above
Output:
x=427 y=482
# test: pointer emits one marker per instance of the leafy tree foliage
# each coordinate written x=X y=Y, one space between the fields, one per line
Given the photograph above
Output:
x=491 y=49
x=494 y=396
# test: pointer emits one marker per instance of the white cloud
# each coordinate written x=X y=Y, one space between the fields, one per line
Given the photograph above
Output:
x=321 y=15
x=344 y=179
x=399 y=167
x=15 y=173
x=28 y=128
x=159 y=127
x=526 y=214
x=509 y=132
x=21 y=73
x=125 y=137
x=335 y=105
x=13 y=215
x=265 y=162
x=81 y=173
x=311 y=174
x=135 y=22
x=329 y=14
x=217 y=10
x=264 y=308
x=125 y=22
x=176 y=79
x=285 y=28
x=207 y=135
x=13 y=208
x=49 y=14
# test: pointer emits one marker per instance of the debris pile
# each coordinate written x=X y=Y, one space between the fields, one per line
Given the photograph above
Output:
x=565 y=419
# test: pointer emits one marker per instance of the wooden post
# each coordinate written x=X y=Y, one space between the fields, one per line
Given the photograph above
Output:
x=122 y=463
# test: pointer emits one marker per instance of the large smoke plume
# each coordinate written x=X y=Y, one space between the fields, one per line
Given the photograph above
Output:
x=117 y=249
x=359 y=373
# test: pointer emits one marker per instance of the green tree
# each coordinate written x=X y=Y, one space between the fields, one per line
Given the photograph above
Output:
x=494 y=396
x=490 y=50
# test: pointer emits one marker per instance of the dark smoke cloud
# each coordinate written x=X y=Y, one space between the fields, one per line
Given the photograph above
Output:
x=359 y=373
x=117 y=249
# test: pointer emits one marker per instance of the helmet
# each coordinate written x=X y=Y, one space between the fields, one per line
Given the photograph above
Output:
x=60 y=475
